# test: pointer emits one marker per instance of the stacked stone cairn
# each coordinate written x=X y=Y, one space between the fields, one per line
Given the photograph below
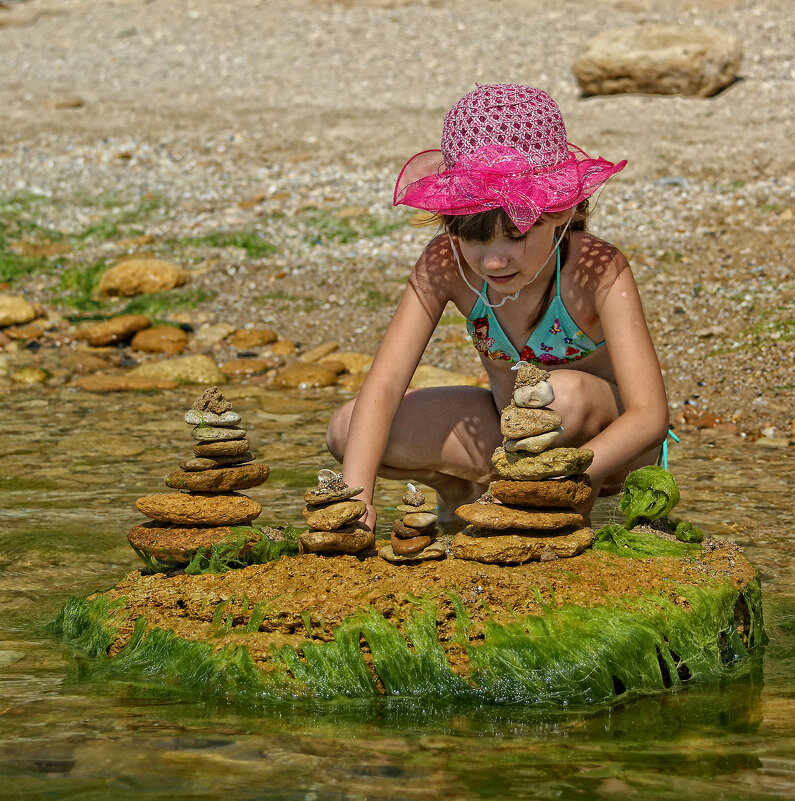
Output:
x=529 y=513
x=332 y=515
x=202 y=513
x=414 y=535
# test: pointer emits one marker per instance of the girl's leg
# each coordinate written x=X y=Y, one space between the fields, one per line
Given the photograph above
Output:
x=442 y=436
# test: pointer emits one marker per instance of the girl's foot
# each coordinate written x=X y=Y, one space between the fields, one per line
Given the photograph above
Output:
x=451 y=493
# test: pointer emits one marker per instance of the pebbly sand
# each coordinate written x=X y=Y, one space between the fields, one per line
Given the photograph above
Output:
x=295 y=117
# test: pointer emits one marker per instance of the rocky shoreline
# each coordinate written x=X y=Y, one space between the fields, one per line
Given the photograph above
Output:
x=271 y=189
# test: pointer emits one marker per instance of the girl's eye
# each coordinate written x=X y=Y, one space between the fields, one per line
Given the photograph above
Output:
x=517 y=237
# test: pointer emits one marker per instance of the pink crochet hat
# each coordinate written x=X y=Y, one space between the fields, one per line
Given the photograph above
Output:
x=504 y=146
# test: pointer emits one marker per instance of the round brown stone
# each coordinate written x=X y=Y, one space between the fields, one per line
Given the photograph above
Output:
x=333 y=516
x=220 y=479
x=559 y=493
x=108 y=332
x=420 y=519
x=404 y=532
x=232 y=447
x=498 y=515
x=160 y=339
x=517 y=423
x=351 y=539
x=405 y=547
x=226 y=509
x=175 y=546
x=206 y=463
x=436 y=550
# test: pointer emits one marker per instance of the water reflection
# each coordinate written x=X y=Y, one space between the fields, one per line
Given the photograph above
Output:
x=74 y=464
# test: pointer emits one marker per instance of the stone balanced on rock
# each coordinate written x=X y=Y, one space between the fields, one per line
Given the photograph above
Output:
x=529 y=513
x=332 y=514
x=414 y=536
x=202 y=514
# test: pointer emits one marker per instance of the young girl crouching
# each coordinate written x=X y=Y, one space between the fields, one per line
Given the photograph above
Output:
x=534 y=285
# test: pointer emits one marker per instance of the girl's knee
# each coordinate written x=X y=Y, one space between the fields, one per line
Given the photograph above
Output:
x=337 y=431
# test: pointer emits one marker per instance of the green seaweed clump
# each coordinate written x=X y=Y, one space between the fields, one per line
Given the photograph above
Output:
x=688 y=532
x=649 y=493
x=615 y=539
x=235 y=552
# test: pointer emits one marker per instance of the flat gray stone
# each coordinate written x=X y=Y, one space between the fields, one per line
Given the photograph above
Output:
x=537 y=444
x=212 y=434
x=211 y=463
x=198 y=418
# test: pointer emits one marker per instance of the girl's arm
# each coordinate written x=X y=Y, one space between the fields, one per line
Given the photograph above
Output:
x=644 y=422
x=396 y=360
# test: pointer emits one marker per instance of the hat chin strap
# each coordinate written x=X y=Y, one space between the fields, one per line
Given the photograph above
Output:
x=482 y=295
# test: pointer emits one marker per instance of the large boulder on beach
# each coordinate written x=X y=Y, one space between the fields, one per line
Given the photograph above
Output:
x=139 y=276
x=659 y=59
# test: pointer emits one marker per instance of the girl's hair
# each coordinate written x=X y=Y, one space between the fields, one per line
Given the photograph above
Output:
x=480 y=227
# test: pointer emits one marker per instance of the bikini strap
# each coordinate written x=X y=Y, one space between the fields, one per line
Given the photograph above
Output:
x=557 y=268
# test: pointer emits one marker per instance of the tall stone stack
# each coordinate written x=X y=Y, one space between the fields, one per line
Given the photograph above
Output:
x=208 y=504
x=414 y=535
x=529 y=513
x=332 y=515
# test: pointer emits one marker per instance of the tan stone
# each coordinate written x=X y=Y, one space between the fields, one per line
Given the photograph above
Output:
x=109 y=332
x=536 y=444
x=534 y=396
x=229 y=447
x=235 y=368
x=102 y=382
x=353 y=362
x=560 y=493
x=304 y=376
x=550 y=464
x=195 y=417
x=429 y=506
x=195 y=369
x=220 y=479
x=141 y=275
x=217 y=434
x=436 y=550
x=166 y=339
x=404 y=547
x=207 y=463
x=317 y=353
x=659 y=59
x=176 y=546
x=518 y=423
x=500 y=516
x=333 y=516
x=319 y=497
x=420 y=519
x=352 y=539
x=284 y=347
x=427 y=375
x=28 y=331
x=247 y=338
x=226 y=509
x=209 y=335
x=15 y=310
x=516 y=550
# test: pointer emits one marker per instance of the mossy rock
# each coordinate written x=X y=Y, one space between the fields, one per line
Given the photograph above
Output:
x=576 y=631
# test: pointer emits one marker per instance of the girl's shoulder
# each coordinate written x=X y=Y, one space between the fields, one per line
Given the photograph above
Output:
x=596 y=263
x=435 y=273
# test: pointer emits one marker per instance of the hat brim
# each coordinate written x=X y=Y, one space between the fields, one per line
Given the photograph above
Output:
x=500 y=177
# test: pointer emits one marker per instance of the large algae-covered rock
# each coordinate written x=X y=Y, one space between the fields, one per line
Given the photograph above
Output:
x=579 y=630
x=550 y=464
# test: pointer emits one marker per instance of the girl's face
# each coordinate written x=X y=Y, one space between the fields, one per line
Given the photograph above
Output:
x=509 y=261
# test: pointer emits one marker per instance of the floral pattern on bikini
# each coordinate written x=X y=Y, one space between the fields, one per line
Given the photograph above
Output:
x=572 y=353
x=483 y=342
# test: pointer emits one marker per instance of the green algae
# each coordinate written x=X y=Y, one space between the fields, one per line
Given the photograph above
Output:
x=649 y=493
x=688 y=532
x=615 y=539
x=568 y=655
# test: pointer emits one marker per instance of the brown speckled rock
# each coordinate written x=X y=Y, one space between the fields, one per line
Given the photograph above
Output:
x=517 y=423
x=560 y=493
x=226 y=509
x=219 y=480
x=403 y=547
x=550 y=464
x=231 y=447
x=176 y=546
x=420 y=519
x=500 y=516
x=109 y=332
x=208 y=463
x=436 y=550
x=161 y=339
x=318 y=496
x=335 y=515
x=514 y=550
x=352 y=539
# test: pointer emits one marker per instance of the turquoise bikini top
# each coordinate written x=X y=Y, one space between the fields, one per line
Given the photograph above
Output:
x=557 y=339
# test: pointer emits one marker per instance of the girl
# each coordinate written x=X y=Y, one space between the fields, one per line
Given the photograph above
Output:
x=515 y=259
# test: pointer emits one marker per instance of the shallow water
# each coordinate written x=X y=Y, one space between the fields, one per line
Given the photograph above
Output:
x=73 y=466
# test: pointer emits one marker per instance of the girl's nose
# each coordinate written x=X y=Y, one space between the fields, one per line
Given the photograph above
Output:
x=494 y=260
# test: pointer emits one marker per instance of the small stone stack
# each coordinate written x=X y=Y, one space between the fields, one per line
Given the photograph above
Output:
x=201 y=515
x=414 y=536
x=332 y=515
x=533 y=517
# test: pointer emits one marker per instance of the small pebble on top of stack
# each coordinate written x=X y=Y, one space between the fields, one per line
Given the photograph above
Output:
x=332 y=515
x=414 y=536
x=202 y=514
x=533 y=517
